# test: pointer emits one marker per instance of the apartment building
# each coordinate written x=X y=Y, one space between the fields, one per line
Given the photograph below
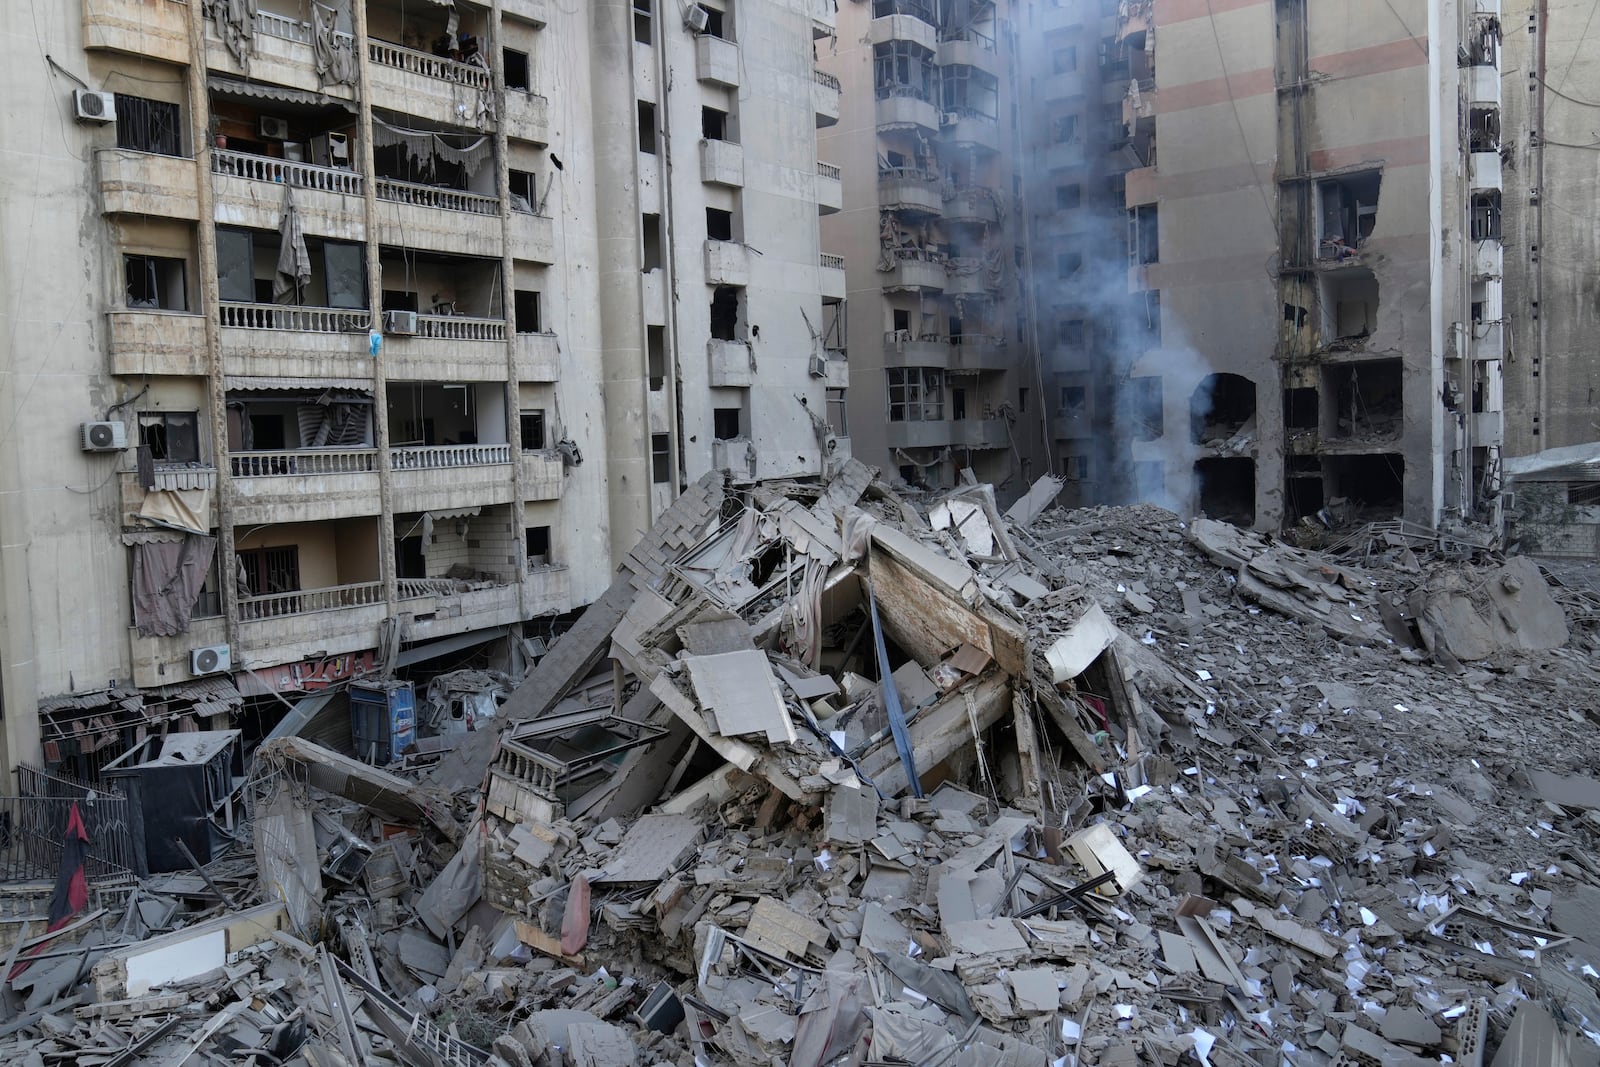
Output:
x=353 y=336
x=1311 y=249
x=942 y=372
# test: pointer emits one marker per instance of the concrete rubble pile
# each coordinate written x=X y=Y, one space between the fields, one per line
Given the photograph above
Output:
x=835 y=775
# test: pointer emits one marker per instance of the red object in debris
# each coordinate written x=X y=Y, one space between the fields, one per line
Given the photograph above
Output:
x=575 y=919
x=72 y=882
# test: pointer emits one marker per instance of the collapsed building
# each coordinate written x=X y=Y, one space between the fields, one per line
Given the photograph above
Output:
x=834 y=774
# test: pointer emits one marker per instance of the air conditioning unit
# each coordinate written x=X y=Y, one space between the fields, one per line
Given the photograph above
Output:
x=274 y=128
x=331 y=150
x=818 y=367
x=949 y=118
x=696 y=18
x=400 y=322
x=212 y=659
x=92 y=106
x=104 y=437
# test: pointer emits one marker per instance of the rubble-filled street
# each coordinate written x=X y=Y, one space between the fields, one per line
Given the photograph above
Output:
x=838 y=775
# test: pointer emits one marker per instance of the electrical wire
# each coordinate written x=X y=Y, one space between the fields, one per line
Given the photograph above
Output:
x=1577 y=49
x=1227 y=82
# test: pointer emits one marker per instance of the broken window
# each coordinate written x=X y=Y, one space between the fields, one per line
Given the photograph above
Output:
x=1068 y=263
x=836 y=413
x=1146 y=318
x=714 y=124
x=171 y=436
x=725 y=308
x=345 y=273
x=1483 y=129
x=1300 y=409
x=1145 y=408
x=515 y=69
x=155 y=282
x=1483 y=42
x=916 y=394
x=1074 y=401
x=1068 y=196
x=719 y=224
x=532 y=423
x=958 y=403
x=1065 y=129
x=725 y=423
x=1144 y=235
x=656 y=356
x=1349 y=300
x=1486 y=216
x=523 y=186
x=1222 y=407
x=641 y=21
x=715 y=21
x=902 y=68
x=1374 y=484
x=1075 y=468
x=922 y=9
x=1227 y=489
x=526 y=306
x=647 y=127
x=538 y=543
x=1347 y=213
x=1368 y=399
x=660 y=458
x=148 y=125
x=652 y=242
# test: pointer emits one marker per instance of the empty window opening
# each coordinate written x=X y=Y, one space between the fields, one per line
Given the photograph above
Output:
x=1065 y=129
x=647 y=127
x=1372 y=486
x=714 y=124
x=155 y=282
x=1068 y=196
x=1483 y=129
x=538 y=541
x=1227 y=489
x=903 y=68
x=1144 y=235
x=171 y=436
x=656 y=356
x=1349 y=300
x=1076 y=468
x=1146 y=413
x=1022 y=402
x=641 y=21
x=524 y=191
x=902 y=324
x=1070 y=333
x=725 y=313
x=725 y=423
x=1347 y=213
x=1068 y=263
x=958 y=403
x=527 y=307
x=1300 y=409
x=652 y=243
x=836 y=413
x=532 y=425
x=516 y=69
x=148 y=125
x=719 y=224
x=1222 y=408
x=916 y=394
x=1303 y=492
x=660 y=458
x=1367 y=400
x=715 y=21
x=1074 y=402
x=1486 y=216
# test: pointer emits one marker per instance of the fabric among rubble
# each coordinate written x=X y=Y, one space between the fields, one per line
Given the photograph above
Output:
x=836 y=775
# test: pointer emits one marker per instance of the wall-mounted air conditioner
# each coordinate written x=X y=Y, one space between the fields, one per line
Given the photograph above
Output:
x=104 y=437
x=696 y=18
x=949 y=118
x=400 y=322
x=274 y=128
x=212 y=659
x=91 y=106
x=819 y=367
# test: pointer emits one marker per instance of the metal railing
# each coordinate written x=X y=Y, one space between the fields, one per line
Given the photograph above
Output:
x=266 y=464
x=829 y=170
x=283 y=27
x=293 y=317
x=303 y=601
x=907 y=174
x=434 y=457
x=460 y=328
x=826 y=80
x=412 y=61
x=976 y=36
x=286 y=172
x=399 y=192
x=33 y=830
x=833 y=261
x=417 y=588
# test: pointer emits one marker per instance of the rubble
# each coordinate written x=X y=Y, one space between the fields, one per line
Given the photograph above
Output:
x=837 y=775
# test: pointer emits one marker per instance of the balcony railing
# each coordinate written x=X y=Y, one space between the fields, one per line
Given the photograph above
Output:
x=303 y=461
x=826 y=80
x=830 y=260
x=976 y=36
x=287 y=172
x=288 y=29
x=431 y=196
x=908 y=174
x=829 y=170
x=460 y=328
x=436 y=457
x=302 y=601
x=417 y=588
x=429 y=66
x=976 y=340
x=293 y=317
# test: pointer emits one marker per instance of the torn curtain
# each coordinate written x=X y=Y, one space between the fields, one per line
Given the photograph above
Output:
x=294 y=259
x=167 y=578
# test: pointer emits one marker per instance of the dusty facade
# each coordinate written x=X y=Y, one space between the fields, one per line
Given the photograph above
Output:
x=441 y=401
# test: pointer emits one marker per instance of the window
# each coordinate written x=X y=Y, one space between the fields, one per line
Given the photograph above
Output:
x=1347 y=213
x=1486 y=216
x=1070 y=332
x=1068 y=263
x=399 y=300
x=660 y=458
x=1583 y=494
x=171 y=436
x=524 y=191
x=1065 y=60
x=916 y=394
x=344 y=268
x=1068 y=196
x=714 y=124
x=902 y=324
x=970 y=91
x=958 y=404
x=1074 y=401
x=264 y=571
x=656 y=356
x=725 y=313
x=527 y=309
x=1483 y=129
x=1065 y=128
x=836 y=412
x=647 y=127
x=641 y=21
x=652 y=242
x=532 y=423
x=902 y=68
x=1022 y=400
x=538 y=538
x=725 y=423
x=515 y=69
x=1075 y=468
x=719 y=224
x=148 y=126
x=714 y=21
x=236 y=270
x=155 y=282
x=1144 y=235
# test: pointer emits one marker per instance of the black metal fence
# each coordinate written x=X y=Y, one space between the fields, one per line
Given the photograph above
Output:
x=33 y=828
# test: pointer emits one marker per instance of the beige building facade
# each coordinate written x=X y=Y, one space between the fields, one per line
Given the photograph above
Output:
x=343 y=335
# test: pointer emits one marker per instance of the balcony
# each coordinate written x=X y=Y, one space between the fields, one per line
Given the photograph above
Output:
x=926 y=434
x=1488 y=340
x=979 y=352
x=825 y=96
x=527 y=117
x=905 y=28
x=972 y=276
x=969 y=48
x=1483 y=86
x=722 y=163
x=729 y=364
x=429 y=86
x=156 y=342
x=915 y=268
x=533 y=237
x=836 y=371
x=409 y=215
x=966 y=128
x=449 y=348
x=150 y=29
x=143 y=183
x=304 y=485
x=737 y=456
x=281 y=54
x=538 y=357
x=823 y=15
x=1064 y=85
x=906 y=108
x=900 y=349
x=910 y=189
x=727 y=263
x=445 y=477
x=1484 y=168
x=249 y=191
x=543 y=475
x=546 y=591
x=831 y=276
x=830 y=188
x=442 y=607
x=1139 y=103
x=980 y=433
x=1134 y=16
x=716 y=61
x=1064 y=155
x=1488 y=259
x=328 y=621
x=972 y=204
x=1488 y=429
x=293 y=341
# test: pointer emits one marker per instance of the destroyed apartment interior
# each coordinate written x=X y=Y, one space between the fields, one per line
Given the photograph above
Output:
x=837 y=772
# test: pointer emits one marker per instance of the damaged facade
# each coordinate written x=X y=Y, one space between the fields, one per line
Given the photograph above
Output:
x=337 y=351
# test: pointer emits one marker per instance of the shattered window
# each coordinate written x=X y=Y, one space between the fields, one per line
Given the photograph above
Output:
x=532 y=423
x=902 y=68
x=171 y=436
x=156 y=282
x=916 y=394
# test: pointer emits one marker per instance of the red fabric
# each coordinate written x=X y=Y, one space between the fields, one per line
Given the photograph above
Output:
x=72 y=884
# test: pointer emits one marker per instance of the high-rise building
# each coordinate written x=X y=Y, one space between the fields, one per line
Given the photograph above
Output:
x=942 y=375
x=350 y=335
